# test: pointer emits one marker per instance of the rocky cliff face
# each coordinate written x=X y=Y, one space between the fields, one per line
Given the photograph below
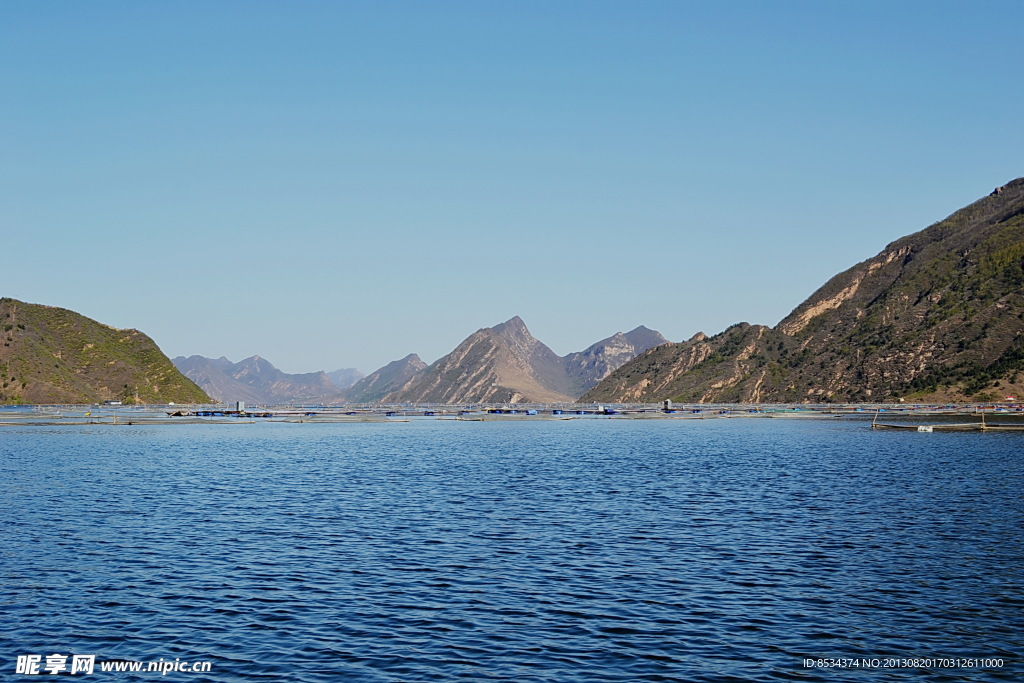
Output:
x=588 y=367
x=937 y=315
x=53 y=355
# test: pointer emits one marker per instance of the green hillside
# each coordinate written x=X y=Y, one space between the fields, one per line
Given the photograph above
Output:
x=53 y=355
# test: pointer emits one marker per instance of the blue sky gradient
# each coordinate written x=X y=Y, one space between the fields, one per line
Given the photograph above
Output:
x=332 y=184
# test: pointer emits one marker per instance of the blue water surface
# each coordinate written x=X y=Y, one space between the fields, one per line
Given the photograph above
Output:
x=583 y=550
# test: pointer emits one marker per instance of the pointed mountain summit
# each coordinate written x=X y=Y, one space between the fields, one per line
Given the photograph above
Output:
x=545 y=365
x=588 y=367
x=936 y=316
x=643 y=338
x=396 y=376
x=504 y=363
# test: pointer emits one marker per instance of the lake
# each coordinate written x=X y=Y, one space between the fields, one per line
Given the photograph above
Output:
x=583 y=550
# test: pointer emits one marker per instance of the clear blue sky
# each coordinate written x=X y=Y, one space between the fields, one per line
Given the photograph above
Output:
x=332 y=184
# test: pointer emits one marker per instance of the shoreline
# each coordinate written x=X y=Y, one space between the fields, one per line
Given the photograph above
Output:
x=895 y=416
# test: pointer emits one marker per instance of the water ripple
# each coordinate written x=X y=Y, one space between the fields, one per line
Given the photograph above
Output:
x=537 y=552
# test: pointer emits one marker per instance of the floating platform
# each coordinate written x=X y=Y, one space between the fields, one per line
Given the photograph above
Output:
x=509 y=418
x=324 y=419
x=971 y=427
x=980 y=426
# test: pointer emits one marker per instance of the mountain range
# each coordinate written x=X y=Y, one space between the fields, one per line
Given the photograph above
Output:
x=255 y=380
x=935 y=316
x=507 y=364
x=504 y=364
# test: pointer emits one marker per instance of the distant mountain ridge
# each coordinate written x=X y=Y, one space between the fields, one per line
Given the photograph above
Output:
x=54 y=355
x=255 y=380
x=345 y=377
x=936 y=316
x=500 y=364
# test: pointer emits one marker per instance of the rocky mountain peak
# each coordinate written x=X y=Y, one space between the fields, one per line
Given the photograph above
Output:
x=644 y=338
x=396 y=376
x=513 y=329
